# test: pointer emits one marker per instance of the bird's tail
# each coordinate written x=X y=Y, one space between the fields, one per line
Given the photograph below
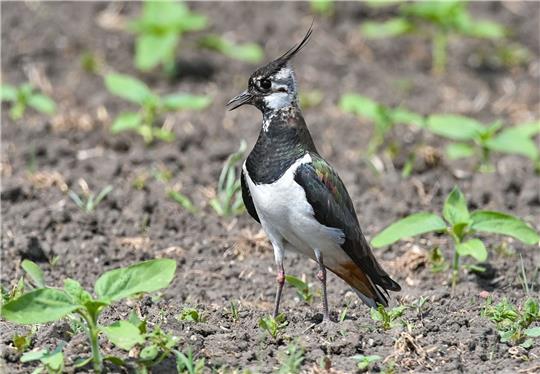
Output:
x=369 y=292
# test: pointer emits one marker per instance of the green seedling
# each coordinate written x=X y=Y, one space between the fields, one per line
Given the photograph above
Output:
x=292 y=359
x=25 y=96
x=387 y=317
x=323 y=7
x=513 y=324
x=438 y=20
x=474 y=139
x=186 y=363
x=182 y=200
x=156 y=345
x=51 y=362
x=22 y=342
x=272 y=325
x=419 y=305
x=235 y=315
x=384 y=117
x=47 y=304
x=152 y=107
x=460 y=226
x=159 y=31
x=364 y=362
x=248 y=52
x=437 y=261
x=88 y=201
x=343 y=313
x=303 y=290
x=191 y=314
x=228 y=200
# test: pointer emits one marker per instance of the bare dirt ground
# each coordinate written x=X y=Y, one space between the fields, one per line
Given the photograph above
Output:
x=227 y=259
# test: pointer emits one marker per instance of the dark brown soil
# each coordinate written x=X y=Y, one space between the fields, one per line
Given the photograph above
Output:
x=225 y=259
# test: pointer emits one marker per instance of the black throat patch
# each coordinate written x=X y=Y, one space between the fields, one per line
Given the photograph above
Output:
x=283 y=140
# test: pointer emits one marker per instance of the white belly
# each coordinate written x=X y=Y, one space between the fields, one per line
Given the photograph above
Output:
x=283 y=210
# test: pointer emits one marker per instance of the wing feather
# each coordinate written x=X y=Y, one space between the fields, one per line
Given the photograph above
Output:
x=333 y=207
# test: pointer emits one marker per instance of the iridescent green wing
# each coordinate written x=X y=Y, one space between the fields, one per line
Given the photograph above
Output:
x=333 y=207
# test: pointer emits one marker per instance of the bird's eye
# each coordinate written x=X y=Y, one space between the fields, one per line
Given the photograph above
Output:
x=265 y=84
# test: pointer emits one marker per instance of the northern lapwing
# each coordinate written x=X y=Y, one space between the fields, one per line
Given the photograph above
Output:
x=296 y=195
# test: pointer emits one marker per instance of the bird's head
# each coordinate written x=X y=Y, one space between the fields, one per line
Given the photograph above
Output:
x=272 y=86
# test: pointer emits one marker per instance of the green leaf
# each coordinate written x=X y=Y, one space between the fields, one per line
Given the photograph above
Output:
x=527 y=129
x=322 y=7
x=533 y=332
x=78 y=294
x=455 y=151
x=166 y=16
x=249 y=52
x=455 y=208
x=505 y=224
x=42 y=103
x=185 y=101
x=163 y=134
x=54 y=361
x=128 y=88
x=145 y=276
x=400 y=115
x=513 y=142
x=474 y=248
x=33 y=355
x=362 y=106
x=34 y=272
x=486 y=29
x=387 y=29
x=415 y=224
x=454 y=127
x=149 y=353
x=38 y=306
x=123 y=334
x=8 y=92
x=126 y=121
x=151 y=49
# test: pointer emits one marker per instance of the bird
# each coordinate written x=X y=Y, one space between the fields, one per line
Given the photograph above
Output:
x=297 y=196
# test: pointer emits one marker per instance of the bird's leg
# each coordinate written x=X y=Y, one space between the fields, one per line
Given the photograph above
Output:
x=280 y=278
x=321 y=274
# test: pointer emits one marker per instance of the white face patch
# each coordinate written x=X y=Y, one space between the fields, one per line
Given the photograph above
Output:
x=277 y=100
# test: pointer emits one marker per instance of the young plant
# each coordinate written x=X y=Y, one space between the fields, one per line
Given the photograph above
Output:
x=191 y=314
x=88 y=201
x=24 y=96
x=472 y=138
x=156 y=345
x=228 y=200
x=438 y=20
x=461 y=226
x=302 y=288
x=235 y=315
x=323 y=7
x=47 y=304
x=364 y=362
x=188 y=364
x=513 y=324
x=272 y=325
x=159 y=30
x=182 y=200
x=248 y=52
x=292 y=359
x=152 y=107
x=52 y=362
x=386 y=317
x=384 y=117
